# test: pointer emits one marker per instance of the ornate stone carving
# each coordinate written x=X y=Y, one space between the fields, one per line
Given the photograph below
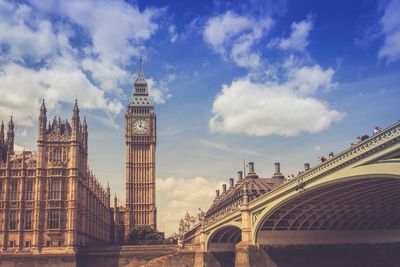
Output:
x=255 y=215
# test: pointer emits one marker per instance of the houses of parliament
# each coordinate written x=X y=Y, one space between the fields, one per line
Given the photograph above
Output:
x=50 y=201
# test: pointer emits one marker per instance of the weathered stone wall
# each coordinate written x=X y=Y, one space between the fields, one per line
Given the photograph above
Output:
x=145 y=255
x=28 y=260
x=382 y=255
x=111 y=256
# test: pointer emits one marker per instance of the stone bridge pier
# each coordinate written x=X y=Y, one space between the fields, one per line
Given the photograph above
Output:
x=233 y=246
x=246 y=252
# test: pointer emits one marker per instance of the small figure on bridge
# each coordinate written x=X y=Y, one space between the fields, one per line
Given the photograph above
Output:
x=364 y=136
x=331 y=155
x=377 y=130
x=322 y=158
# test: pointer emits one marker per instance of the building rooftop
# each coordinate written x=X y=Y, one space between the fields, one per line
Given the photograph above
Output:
x=251 y=184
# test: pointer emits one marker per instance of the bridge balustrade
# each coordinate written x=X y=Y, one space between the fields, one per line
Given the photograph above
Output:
x=371 y=145
x=354 y=153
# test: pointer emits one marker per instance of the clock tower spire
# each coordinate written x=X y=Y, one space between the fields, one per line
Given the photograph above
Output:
x=140 y=140
x=140 y=84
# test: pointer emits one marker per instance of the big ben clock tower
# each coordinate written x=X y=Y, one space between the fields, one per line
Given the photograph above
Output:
x=140 y=139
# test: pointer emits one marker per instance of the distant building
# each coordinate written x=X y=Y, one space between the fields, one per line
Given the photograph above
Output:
x=50 y=200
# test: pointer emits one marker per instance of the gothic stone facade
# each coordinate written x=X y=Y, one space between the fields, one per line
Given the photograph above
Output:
x=49 y=200
x=140 y=138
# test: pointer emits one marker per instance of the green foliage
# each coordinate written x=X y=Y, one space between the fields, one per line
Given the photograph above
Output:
x=144 y=233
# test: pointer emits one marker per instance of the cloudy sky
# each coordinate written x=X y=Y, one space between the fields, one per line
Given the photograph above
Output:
x=261 y=81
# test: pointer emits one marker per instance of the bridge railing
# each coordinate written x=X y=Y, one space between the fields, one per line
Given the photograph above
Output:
x=223 y=212
x=374 y=143
x=384 y=138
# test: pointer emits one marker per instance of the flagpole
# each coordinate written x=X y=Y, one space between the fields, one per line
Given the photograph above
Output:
x=244 y=168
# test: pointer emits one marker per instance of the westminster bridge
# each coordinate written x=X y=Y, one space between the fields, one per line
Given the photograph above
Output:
x=351 y=198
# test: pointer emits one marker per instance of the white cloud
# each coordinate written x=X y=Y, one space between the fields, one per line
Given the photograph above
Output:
x=49 y=83
x=109 y=75
x=159 y=91
x=34 y=40
x=226 y=148
x=82 y=52
x=266 y=108
x=309 y=79
x=115 y=30
x=111 y=25
x=390 y=23
x=298 y=39
x=176 y=196
x=173 y=35
x=234 y=36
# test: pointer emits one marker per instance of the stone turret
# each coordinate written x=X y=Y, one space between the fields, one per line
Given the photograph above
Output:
x=42 y=121
x=10 y=136
x=115 y=201
x=2 y=133
x=84 y=133
x=108 y=195
x=75 y=120
x=3 y=148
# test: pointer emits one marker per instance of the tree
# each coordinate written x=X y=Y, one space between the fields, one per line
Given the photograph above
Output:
x=144 y=233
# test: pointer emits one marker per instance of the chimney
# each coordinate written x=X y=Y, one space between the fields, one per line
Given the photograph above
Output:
x=277 y=168
x=231 y=182
x=306 y=166
x=251 y=167
x=251 y=173
x=278 y=173
x=223 y=188
x=217 y=193
x=240 y=175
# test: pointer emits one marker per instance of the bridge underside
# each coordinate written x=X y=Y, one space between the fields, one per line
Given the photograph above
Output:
x=354 y=211
x=225 y=239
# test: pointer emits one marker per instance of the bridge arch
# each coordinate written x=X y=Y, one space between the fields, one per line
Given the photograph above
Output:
x=224 y=238
x=369 y=202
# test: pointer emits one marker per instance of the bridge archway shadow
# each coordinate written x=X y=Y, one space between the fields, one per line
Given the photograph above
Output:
x=345 y=255
x=221 y=245
x=362 y=209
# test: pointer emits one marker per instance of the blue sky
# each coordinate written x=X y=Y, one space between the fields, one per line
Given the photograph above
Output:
x=263 y=81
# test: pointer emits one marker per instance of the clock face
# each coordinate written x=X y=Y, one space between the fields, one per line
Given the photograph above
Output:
x=141 y=126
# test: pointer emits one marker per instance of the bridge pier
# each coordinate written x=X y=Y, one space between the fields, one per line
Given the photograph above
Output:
x=252 y=256
x=246 y=253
